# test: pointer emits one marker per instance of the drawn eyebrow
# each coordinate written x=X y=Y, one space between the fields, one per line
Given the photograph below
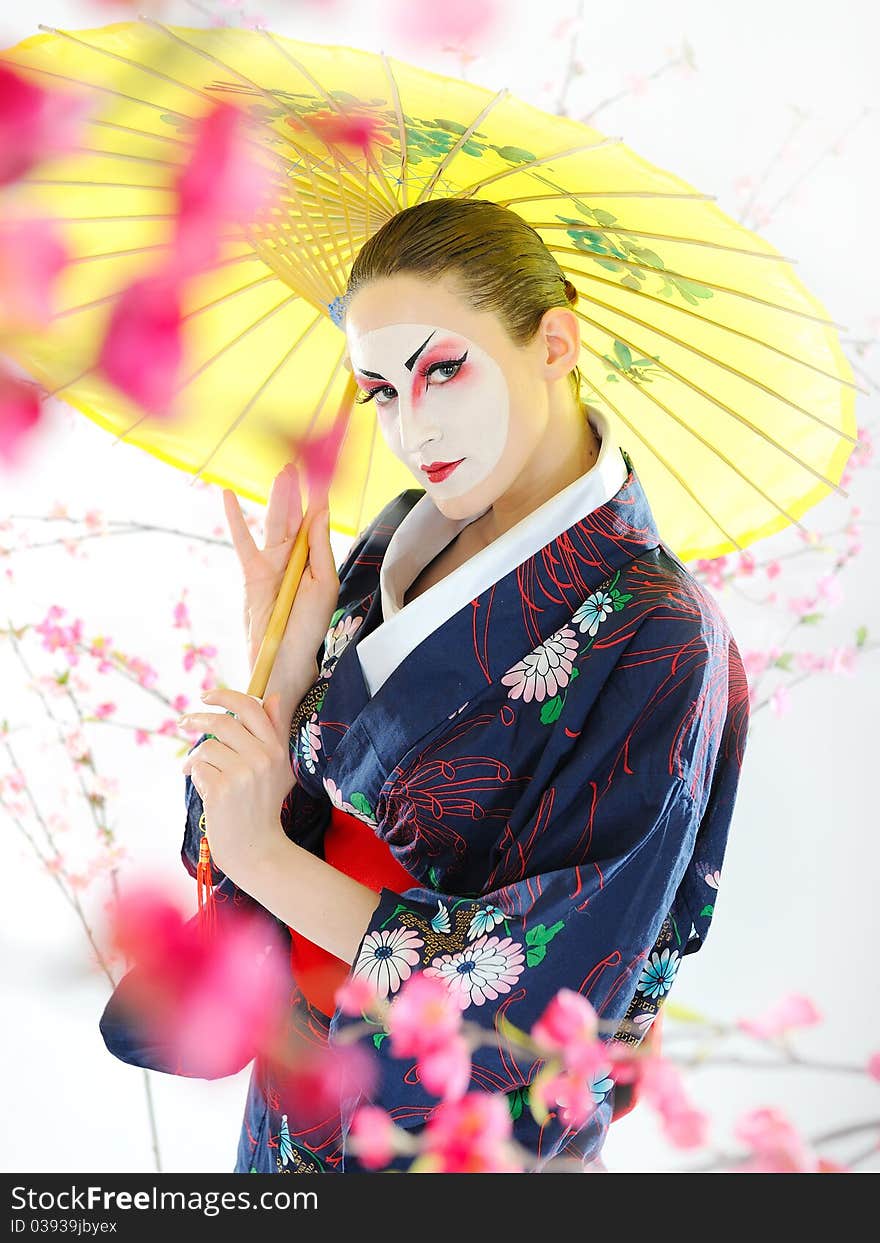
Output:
x=409 y=364
x=411 y=361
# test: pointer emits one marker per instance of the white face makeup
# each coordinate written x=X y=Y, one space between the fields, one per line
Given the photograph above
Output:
x=439 y=397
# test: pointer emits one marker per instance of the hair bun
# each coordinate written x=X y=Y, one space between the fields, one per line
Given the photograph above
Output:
x=570 y=292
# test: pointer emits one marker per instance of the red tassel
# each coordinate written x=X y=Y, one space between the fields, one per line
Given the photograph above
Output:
x=204 y=885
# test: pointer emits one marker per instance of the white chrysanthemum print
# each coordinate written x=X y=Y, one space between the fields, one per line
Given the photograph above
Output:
x=309 y=743
x=484 y=921
x=387 y=958
x=337 y=640
x=590 y=615
x=545 y=671
x=482 y=972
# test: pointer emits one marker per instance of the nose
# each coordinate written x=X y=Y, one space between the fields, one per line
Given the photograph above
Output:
x=415 y=428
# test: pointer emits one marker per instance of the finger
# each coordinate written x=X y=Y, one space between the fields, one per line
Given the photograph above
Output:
x=247 y=708
x=321 y=560
x=242 y=540
x=294 y=505
x=283 y=495
x=211 y=754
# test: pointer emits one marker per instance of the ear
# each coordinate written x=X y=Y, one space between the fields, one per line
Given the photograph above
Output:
x=562 y=337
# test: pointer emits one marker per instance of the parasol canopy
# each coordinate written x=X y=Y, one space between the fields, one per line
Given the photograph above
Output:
x=722 y=374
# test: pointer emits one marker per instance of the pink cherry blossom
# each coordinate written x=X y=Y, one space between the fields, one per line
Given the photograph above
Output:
x=102 y=711
x=568 y=1019
x=780 y=701
x=352 y=129
x=223 y=181
x=772 y=569
x=20 y=411
x=213 y=998
x=842 y=660
x=372 y=1135
x=317 y=1076
x=31 y=256
x=470 y=1135
x=15 y=780
x=873 y=1066
x=571 y=1093
x=142 y=349
x=423 y=1017
x=802 y=604
x=356 y=995
x=755 y=662
x=452 y=22
x=830 y=590
x=446 y=1070
x=35 y=123
x=775 y=1145
x=685 y=1127
x=661 y=1084
x=792 y=1010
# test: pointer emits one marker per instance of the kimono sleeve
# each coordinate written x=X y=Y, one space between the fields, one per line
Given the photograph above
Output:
x=595 y=893
x=139 y=1043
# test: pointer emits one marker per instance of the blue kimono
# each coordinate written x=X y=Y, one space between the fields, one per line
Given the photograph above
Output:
x=550 y=739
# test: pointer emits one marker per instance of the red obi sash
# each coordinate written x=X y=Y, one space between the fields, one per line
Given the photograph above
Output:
x=352 y=847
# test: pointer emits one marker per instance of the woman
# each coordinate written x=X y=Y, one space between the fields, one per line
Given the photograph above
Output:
x=530 y=710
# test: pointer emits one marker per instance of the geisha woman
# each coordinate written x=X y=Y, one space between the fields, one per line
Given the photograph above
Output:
x=508 y=739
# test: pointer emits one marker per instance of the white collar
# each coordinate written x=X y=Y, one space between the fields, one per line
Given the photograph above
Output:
x=425 y=531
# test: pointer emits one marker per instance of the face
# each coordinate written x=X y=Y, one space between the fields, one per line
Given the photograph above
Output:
x=447 y=386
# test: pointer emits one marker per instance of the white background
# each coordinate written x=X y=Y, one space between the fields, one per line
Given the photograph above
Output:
x=796 y=909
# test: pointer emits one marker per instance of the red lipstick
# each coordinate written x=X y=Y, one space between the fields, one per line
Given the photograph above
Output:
x=438 y=471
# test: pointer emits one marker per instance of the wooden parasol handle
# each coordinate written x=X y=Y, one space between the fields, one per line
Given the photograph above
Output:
x=290 y=583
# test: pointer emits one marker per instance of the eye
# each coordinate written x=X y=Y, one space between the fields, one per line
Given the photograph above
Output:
x=438 y=367
x=384 y=388
x=453 y=363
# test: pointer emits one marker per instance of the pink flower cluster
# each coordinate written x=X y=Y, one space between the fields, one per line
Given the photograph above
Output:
x=775 y=1146
x=791 y=1011
x=424 y=1021
x=213 y=997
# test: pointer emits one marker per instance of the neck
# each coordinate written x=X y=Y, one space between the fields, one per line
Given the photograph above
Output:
x=567 y=450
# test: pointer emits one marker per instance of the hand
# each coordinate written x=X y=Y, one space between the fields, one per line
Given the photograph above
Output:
x=295 y=667
x=243 y=775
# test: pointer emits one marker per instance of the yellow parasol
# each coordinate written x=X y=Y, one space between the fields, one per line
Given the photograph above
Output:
x=721 y=373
